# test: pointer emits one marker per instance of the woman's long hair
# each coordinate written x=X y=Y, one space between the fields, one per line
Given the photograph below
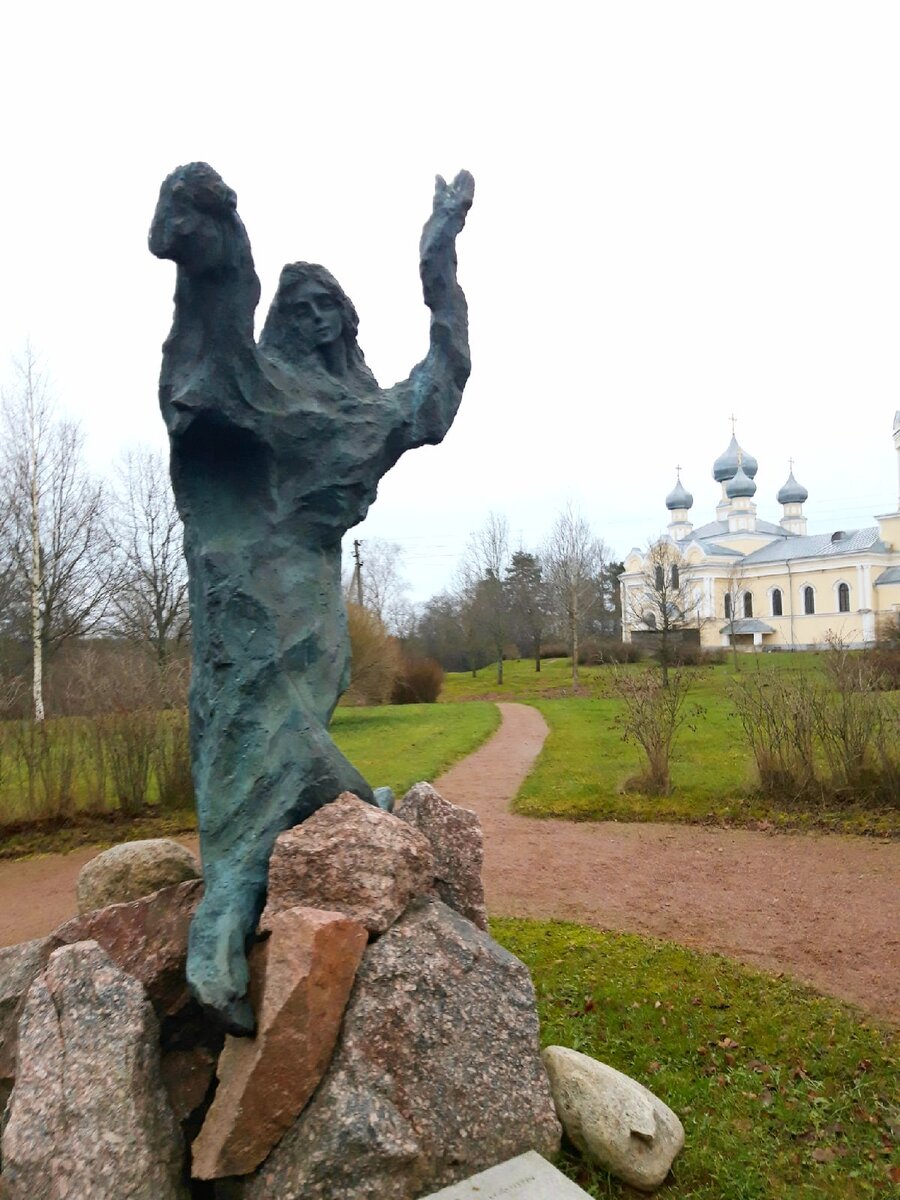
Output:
x=281 y=337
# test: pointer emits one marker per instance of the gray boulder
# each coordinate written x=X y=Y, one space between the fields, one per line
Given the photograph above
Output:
x=457 y=845
x=88 y=1116
x=437 y=1073
x=132 y=870
x=613 y=1119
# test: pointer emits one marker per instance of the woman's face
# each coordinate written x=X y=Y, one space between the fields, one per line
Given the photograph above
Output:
x=313 y=312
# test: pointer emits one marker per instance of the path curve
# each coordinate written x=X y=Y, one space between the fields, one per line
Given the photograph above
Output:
x=820 y=907
x=823 y=908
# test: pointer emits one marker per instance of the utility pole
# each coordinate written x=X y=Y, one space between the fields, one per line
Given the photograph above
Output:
x=357 y=571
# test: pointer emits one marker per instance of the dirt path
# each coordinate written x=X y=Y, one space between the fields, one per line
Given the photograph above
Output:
x=822 y=908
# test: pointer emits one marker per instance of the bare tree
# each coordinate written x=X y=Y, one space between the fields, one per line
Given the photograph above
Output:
x=573 y=558
x=663 y=599
x=482 y=581
x=57 y=541
x=734 y=605
x=384 y=588
x=150 y=602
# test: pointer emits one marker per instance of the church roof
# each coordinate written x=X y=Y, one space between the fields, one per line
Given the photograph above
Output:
x=679 y=497
x=892 y=574
x=726 y=465
x=820 y=545
x=747 y=625
x=792 y=492
x=740 y=484
x=715 y=529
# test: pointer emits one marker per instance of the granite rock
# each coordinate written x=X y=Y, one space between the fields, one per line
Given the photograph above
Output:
x=436 y=1075
x=353 y=858
x=134 y=869
x=454 y=835
x=89 y=1115
x=613 y=1119
x=18 y=967
x=300 y=979
x=147 y=938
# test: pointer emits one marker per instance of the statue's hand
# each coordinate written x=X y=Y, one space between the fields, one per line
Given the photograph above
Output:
x=194 y=218
x=436 y=249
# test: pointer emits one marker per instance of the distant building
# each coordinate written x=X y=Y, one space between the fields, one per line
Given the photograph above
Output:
x=774 y=585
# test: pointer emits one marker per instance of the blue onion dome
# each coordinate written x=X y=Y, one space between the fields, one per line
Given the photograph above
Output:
x=740 y=484
x=792 y=492
x=679 y=497
x=726 y=465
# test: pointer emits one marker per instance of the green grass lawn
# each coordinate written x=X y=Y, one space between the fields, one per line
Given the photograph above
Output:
x=784 y=1095
x=585 y=767
x=397 y=746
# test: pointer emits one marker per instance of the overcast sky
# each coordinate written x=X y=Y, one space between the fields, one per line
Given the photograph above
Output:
x=683 y=211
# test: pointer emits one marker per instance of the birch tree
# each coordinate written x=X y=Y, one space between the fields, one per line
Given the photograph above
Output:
x=57 y=541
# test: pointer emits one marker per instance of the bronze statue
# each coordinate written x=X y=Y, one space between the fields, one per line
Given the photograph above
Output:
x=276 y=451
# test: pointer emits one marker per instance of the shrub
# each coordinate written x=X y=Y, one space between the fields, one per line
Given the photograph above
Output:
x=172 y=761
x=778 y=716
x=419 y=681
x=653 y=716
x=689 y=654
x=375 y=658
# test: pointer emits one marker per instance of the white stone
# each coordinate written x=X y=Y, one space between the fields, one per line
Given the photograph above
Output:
x=613 y=1119
x=525 y=1177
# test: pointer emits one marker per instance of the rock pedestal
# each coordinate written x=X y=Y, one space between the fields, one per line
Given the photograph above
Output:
x=397 y=1047
x=89 y=1114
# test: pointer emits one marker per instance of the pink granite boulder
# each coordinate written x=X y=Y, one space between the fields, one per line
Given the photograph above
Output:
x=301 y=976
x=352 y=858
x=454 y=835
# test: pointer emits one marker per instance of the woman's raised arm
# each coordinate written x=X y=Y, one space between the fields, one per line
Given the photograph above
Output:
x=427 y=401
x=197 y=226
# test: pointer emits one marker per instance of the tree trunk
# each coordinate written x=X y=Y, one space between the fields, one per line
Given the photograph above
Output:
x=37 y=648
x=574 y=641
x=499 y=667
x=537 y=654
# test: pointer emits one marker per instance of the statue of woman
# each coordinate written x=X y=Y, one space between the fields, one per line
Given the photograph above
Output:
x=276 y=451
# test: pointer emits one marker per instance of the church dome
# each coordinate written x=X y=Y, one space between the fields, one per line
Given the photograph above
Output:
x=726 y=465
x=679 y=497
x=740 y=484
x=792 y=492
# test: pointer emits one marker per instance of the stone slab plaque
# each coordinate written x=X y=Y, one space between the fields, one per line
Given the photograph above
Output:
x=526 y=1177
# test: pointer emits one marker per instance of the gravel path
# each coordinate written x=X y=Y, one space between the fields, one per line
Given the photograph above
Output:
x=822 y=908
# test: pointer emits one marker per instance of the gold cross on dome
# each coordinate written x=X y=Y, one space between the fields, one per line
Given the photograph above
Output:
x=732 y=419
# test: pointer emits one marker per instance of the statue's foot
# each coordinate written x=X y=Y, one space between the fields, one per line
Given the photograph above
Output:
x=217 y=971
x=384 y=798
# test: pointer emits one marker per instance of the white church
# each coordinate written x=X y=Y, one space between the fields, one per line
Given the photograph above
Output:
x=772 y=585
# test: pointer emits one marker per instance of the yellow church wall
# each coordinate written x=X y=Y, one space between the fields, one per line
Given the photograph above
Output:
x=889 y=530
x=743 y=543
x=887 y=597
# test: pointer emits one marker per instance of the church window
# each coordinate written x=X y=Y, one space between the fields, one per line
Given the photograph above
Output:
x=660 y=578
x=843 y=597
x=777 y=602
x=727 y=607
x=809 y=601
x=674 y=575
x=748 y=605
